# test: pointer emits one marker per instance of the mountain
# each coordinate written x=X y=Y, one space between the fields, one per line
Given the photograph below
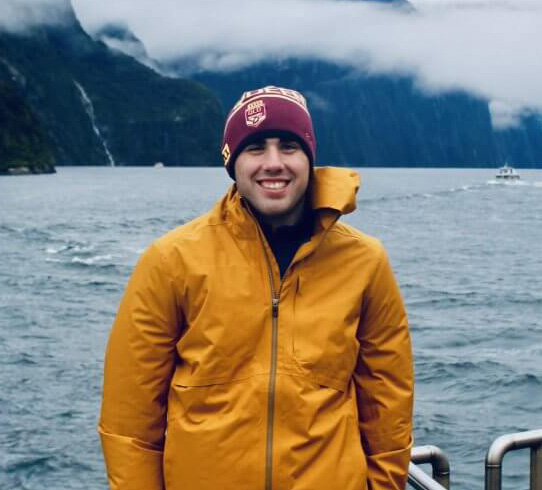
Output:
x=24 y=147
x=369 y=120
x=118 y=37
x=374 y=120
x=385 y=120
x=99 y=106
x=102 y=100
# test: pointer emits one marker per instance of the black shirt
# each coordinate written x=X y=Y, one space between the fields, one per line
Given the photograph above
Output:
x=285 y=240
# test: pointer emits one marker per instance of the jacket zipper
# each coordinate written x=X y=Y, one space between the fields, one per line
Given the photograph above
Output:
x=272 y=396
x=275 y=299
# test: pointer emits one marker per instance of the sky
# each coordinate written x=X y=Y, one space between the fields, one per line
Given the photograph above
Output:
x=488 y=48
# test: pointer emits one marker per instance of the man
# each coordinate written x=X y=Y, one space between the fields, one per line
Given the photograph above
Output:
x=264 y=345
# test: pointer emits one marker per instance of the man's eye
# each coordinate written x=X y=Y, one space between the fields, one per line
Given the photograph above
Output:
x=254 y=148
x=290 y=145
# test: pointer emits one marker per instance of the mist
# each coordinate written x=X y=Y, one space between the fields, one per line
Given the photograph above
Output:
x=17 y=16
x=488 y=48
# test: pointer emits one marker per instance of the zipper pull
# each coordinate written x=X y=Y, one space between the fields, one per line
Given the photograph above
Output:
x=275 y=307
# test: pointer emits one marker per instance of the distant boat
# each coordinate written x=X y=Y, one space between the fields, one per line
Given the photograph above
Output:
x=507 y=173
x=158 y=165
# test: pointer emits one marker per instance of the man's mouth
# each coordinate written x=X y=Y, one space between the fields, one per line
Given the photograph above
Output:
x=273 y=184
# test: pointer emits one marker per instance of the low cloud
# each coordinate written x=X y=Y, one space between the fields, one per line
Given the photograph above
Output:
x=486 y=47
x=506 y=115
x=17 y=16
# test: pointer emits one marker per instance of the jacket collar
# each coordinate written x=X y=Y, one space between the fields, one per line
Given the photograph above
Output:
x=335 y=188
x=333 y=193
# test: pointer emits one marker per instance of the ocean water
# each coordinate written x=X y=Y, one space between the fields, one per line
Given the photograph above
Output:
x=467 y=253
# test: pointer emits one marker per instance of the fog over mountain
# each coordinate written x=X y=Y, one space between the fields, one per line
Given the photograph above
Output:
x=485 y=47
x=19 y=15
x=447 y=83
x=90 y=105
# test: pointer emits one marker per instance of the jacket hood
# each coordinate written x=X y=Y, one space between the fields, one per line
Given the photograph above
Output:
x=332 y=188
x=335 y=188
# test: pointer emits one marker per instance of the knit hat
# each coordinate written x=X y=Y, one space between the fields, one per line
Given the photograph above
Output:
x=267 y=112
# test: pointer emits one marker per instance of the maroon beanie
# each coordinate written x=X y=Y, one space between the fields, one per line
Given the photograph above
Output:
x=266 y=112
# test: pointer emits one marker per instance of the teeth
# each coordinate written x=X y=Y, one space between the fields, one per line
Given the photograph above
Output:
x=273 y=184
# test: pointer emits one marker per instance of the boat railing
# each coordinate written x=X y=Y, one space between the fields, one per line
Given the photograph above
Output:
x=440 y=480
x=440 y=465
x=511 y=442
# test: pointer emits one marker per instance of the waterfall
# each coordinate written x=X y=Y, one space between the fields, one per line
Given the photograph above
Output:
x=89 y=108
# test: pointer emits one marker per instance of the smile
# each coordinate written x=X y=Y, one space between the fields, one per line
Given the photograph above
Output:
x=273 y=184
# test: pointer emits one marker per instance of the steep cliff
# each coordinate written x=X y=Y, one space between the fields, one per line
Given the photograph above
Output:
x=23 y=145
x=375 y=120
x=101 y=107
x=363 y=119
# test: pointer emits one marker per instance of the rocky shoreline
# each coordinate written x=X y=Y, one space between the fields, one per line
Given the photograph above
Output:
x=28 y=170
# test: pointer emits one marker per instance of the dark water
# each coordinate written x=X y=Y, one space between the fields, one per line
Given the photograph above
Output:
x=467 y=253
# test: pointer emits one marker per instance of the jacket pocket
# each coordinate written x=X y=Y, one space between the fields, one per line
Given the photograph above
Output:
x=219 y=420
x=324 y=333
x=225 y=319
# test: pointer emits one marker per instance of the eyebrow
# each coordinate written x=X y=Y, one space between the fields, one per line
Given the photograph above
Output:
x=263 y=141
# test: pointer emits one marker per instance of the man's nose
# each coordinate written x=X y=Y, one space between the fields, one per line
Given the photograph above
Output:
x=273 y=160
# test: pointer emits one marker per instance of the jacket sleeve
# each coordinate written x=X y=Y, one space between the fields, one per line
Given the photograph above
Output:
x=384 y=382
x=139 y=363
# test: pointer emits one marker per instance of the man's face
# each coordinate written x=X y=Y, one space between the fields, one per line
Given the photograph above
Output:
x=273 y=175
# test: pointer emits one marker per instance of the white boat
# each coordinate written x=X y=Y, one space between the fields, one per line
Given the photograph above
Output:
x=507 y=173
x=158 y=165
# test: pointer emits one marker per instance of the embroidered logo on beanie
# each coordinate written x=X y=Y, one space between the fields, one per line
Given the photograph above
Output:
x=255 y=113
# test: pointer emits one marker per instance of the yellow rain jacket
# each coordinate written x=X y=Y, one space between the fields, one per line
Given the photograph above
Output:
x=221 y=376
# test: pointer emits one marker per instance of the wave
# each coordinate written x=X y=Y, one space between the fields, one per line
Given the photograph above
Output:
x=485 y=294
x=511 y=183
x=27 y=463
x=31 y=234
x=20 y=359
x=433 y=365
x=7 y=229
x=515 y=183
x=479 y=375
x=517 y=380
x=45 y=464
x=92 y=260
x=416 y=296
x=451 y=191
x=424 y=195
x=98 y=261
x=471 y=299
x=71 y=247
x=81 y=254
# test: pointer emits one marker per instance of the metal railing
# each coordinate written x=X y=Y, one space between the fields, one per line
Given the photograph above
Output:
x=438 y=460
x=420 y=480
x=440 y=465
x=511 y=442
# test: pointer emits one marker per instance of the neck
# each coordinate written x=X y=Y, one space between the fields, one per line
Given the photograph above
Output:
x=292 y=218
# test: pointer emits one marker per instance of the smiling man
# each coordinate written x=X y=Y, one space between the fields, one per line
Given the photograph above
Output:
x=273 y=175
x=264 y=345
